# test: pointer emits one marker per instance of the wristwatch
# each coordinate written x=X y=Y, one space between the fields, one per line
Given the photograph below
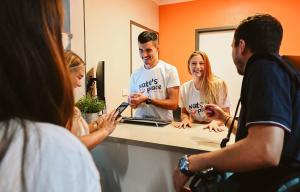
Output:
x=148 y=101
x=183 y=166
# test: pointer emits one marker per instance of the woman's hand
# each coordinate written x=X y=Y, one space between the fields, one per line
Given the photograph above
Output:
x=183 y=124
x=214 y=126
x=108 y=122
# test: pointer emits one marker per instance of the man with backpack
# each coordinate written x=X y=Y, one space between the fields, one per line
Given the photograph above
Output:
x=267 y=147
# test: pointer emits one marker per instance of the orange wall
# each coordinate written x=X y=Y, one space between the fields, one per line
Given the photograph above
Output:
x=177 y=24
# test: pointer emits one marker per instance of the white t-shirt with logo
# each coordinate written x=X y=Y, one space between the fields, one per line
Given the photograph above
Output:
x=193 y=101
x=153 y=83
x=54 y=160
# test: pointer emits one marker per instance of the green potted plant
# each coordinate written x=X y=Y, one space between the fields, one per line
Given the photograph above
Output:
x=90 y=107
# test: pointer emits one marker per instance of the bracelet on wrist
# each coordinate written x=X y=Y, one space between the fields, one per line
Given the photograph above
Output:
x=227 y=120
x=95 y=125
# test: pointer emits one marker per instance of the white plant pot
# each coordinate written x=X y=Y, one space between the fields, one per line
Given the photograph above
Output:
x=89 y=117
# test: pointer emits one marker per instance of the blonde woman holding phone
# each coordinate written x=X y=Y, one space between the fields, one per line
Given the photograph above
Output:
x=94 y=133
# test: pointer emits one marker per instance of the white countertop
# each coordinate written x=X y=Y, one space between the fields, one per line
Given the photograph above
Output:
x=195 y=138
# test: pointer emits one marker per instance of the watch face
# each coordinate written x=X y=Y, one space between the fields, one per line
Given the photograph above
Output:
x=148 y=101
x=183 y=164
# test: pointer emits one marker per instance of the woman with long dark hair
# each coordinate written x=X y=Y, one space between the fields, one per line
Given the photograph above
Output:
x=36 y=100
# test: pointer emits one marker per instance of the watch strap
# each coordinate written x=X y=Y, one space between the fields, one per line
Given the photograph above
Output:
x=148 y=101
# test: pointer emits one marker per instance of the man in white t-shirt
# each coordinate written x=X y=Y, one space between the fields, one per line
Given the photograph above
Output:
x=154 y=87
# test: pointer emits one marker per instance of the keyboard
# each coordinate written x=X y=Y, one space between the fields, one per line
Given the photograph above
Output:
x=145 y=121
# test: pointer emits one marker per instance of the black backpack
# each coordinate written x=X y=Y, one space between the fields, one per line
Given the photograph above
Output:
x=291 y=64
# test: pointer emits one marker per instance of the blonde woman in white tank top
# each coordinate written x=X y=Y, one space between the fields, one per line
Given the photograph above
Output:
x=94 y=133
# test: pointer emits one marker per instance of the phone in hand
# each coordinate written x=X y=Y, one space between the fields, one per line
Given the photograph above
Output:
x=209 y=111
x=121 y=108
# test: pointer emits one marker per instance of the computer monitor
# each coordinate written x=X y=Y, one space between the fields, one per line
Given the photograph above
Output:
x=100 y=76
x=96 y=81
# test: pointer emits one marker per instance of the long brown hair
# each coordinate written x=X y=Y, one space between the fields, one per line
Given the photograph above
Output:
x=31 y=51
x=34 y=82
x=210 y=84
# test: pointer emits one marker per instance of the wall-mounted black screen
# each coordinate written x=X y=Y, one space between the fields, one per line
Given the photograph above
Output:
x=100 y=80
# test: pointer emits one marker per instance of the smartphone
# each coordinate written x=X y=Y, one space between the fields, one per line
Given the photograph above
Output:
x=121 y=108
x=209 y=111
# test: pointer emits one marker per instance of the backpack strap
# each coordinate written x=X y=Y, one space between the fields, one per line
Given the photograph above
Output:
x=286 y=64
x=295 y=75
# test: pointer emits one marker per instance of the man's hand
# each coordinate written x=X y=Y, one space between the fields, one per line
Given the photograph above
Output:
x=214 y=112
x=179 y=180
x=136 y=99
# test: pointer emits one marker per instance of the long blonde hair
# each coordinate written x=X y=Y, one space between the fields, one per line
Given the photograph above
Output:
x=73 y=61
x=210 y=84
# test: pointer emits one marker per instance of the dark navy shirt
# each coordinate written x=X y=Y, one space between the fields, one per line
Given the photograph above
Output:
x=269 y=96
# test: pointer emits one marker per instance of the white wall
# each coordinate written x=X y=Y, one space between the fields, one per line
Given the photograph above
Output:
x=217 y=46
x=108 y=39
x=77 y=41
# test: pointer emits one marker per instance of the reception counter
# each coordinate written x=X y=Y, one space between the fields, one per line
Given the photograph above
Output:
x=138 y=158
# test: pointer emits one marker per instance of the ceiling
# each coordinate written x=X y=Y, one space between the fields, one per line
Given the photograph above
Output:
x=165 y=2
